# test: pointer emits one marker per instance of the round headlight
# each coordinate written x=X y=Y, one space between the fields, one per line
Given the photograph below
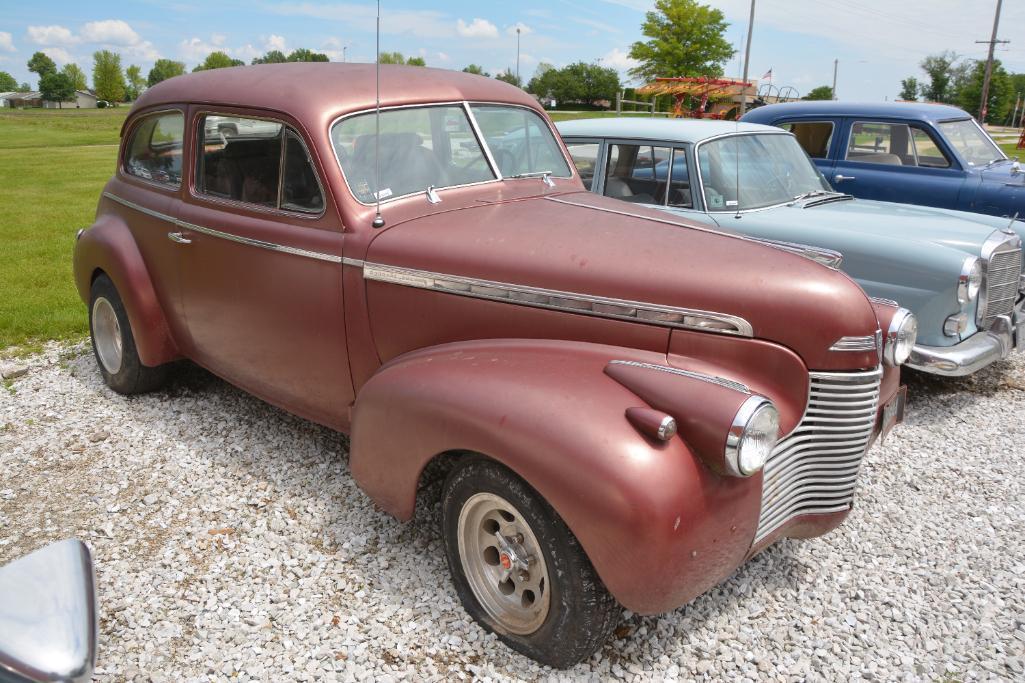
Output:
x=752 y=437
x=970 y=280
x=900 y=338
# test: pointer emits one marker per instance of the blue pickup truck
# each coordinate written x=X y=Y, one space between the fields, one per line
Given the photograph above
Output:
x=928 y=154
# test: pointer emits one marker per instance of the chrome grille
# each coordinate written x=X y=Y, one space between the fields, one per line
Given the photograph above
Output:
x=815 y=468
x=1002 y=276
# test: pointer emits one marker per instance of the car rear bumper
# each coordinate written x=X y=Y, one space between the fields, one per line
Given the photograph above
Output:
x=974 y=353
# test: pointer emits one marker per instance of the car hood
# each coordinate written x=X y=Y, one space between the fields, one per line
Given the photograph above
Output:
x=586 y=244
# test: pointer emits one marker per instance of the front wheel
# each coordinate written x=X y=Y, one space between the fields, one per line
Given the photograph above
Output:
x=114 y=343
x=518 y=569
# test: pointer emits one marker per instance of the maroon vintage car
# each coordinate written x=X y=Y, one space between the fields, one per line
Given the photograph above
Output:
x=628 y=410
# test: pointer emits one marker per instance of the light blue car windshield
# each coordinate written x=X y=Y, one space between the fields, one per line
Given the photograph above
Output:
x=772 y=168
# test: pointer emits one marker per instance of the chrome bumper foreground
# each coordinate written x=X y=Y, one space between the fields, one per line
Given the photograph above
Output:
x=974 y=353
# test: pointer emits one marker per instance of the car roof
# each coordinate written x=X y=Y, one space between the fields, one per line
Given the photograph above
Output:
x=919 y=111
x=316 y=91
x=671 y=130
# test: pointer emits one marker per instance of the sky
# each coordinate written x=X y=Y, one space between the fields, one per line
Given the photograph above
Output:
x=877 y=42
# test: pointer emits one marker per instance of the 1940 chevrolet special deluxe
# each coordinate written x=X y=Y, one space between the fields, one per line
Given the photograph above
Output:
x=629 y=409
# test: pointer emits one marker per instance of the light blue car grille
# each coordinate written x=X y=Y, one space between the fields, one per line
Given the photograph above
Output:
x=815 y=468
x=1002 y=276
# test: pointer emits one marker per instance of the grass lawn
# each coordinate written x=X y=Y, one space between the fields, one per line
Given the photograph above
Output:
x=53 y=164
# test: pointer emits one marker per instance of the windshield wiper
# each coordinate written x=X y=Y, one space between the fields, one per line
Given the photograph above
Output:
x=545 y=176
x=812 y=193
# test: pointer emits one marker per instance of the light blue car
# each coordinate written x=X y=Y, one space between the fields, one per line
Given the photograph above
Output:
x=959 y=273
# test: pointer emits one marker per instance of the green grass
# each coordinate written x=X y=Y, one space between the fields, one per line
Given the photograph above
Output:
x=1011 y=150
x=53 y=165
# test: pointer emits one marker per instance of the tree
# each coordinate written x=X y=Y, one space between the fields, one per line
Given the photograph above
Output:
x=108 y=78
x=686 y=38
x=588 y=83
x=909 y=89
x=41 y=65
x=823 y=92
x=544 y=82
x=306 y=55
x=937 y=68
x=272 y=57
x=218 y=60
x=416 y=61
x=136 y=83
x=77 y=76
x=55 y=87
x=164 y=69
x=1001 y=95
x=24 y=87
x=7 y=82
x=509 y=77
x=476 y=69
x=399 y=58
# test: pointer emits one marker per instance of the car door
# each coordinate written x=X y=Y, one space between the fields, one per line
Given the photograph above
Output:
x=261 y=266
x=818 y=137
x=897 y=161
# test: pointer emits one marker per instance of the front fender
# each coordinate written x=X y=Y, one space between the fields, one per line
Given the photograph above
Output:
x=659 y=526
x=108 y=246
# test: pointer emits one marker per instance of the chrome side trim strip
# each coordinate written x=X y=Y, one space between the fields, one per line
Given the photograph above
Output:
x=885 y=302
x=354 y=262
x=866 y=343
x=711 y=379
x=629 y=214
x=619 y=309
x=295 y=251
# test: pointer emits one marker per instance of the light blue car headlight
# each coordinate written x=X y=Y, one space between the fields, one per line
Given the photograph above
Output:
x=970 y=280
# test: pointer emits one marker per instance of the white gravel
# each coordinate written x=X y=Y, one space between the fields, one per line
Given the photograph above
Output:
x=231 y=542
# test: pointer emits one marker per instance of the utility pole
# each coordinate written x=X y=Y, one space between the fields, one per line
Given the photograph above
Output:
x=836 y=65
x=1017 y=101
x=518 y=54
x=344 y=49
x=984 y=105
x=747 y=60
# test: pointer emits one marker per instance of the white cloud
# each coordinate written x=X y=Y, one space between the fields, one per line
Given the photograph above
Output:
x=597 y=25
x=110 y=32
x=334 y=48
x=274 y=42
x=6 y=42
x=478 y=28
x=443 y=57
x=197 y=49
x=51 y=35
x=524 y=29
x=618 y=60
x=420 y=23
x=58 y=54
x=218 y=38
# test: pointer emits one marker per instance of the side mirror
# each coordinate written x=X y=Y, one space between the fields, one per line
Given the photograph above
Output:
x=48 y=615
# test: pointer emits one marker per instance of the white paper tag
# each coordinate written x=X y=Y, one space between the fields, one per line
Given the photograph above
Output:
x=731 y=202
x=383 y=194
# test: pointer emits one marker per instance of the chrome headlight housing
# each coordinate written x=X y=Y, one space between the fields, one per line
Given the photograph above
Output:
x=752 y=437
x=970 y=280
x=900 y=337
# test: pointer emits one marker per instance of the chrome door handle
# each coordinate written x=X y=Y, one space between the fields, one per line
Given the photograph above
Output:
x=178 y=237
x=840 y=178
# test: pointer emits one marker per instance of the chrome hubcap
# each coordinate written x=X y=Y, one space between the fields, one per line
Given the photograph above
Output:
x=503 y=563
x=107 y=336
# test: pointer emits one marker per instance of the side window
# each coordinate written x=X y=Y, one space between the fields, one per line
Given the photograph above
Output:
x=241 y=159
x=637 y=173
x=814 y=136
x=585 y=158
x=927 y=152
x=155 y=149
x=881 y=143
x=679 y=181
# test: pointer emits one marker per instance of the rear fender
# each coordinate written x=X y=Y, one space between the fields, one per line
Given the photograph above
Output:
x=108 y=247
x=659 y=526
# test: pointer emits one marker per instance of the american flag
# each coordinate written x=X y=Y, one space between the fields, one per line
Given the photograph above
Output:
x=767 y=75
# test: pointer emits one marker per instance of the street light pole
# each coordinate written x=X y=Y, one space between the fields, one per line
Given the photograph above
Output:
x=518 y=53
x=344 y=48
x=836 y=65
x=747 y=60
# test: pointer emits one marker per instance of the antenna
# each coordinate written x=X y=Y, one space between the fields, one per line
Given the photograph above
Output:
x=378 y=220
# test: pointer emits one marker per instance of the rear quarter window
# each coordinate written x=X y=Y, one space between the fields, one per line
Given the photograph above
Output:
x=155 y=149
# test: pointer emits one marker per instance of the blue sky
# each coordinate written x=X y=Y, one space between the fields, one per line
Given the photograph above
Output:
x=877 y=42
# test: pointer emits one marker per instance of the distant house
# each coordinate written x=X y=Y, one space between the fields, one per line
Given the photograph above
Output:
x=4 y=96
x=22 y=99
x=83 y=100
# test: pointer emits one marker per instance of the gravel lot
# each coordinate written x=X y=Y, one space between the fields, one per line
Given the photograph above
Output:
x=231 y=543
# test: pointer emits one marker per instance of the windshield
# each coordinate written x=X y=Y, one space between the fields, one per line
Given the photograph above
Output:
x=435 y=146
x=773 y=170
x=971 y=142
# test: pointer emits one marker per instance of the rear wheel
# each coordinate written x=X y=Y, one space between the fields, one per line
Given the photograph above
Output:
x=518 y=569
x=114 y=344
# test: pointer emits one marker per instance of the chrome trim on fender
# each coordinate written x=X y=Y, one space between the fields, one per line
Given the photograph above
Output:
x=711 y=379
x=272 y=246
x=866 y=343
x=885 y=302
x=618 y=309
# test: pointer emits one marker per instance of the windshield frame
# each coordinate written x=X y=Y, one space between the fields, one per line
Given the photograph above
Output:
x=466 y=106
x=962 y=159
x=701 y=177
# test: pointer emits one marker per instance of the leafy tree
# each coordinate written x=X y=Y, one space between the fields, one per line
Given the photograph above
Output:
x=108 y=78
x=24 y=87
x=136 y=83
x=41 y=65
x=823 y=92
x=1001 y=95
x=399 y=58
x=7 y=82
x=164 y=69
x=416 y=61
x=306 y=55
x=544 y=81
x=272 y=57
x=686 y=38
x=509 y=77
x=57 y=87
x=77 y=76
x=218 y=60
x=476 y=69
x=938 y=69
x=578 y=82
x=909 y=89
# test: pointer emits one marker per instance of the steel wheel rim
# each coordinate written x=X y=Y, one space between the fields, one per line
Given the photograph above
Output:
x=516 y=597
x=107 y=336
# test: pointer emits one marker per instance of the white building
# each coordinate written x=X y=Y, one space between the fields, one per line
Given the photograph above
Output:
x=83 y=100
